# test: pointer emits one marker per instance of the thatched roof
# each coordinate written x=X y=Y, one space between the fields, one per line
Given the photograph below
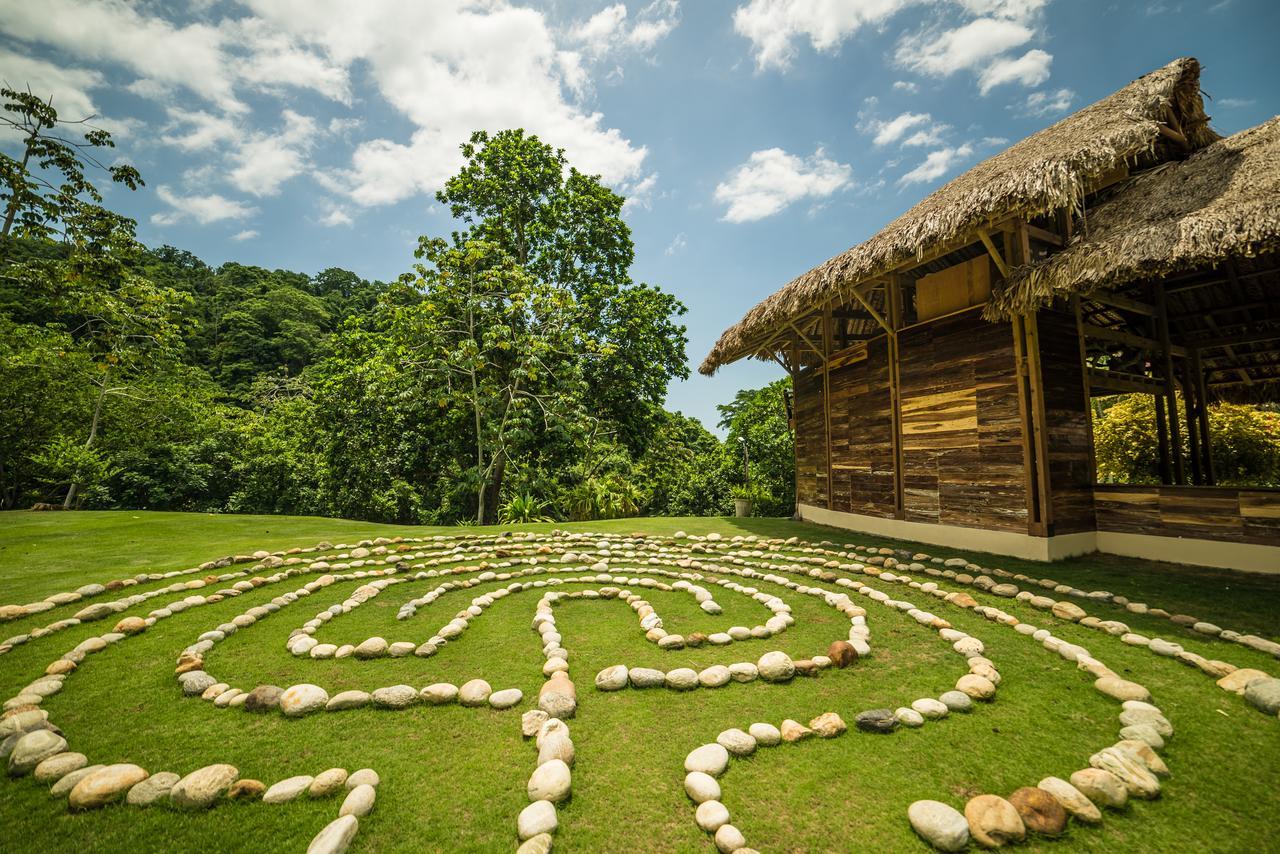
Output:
x=1222 y=202
x=1044 y=172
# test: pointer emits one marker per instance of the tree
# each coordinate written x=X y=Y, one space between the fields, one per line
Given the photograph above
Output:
x=494 y=341
x=48 y=200
x=757 y=421
x=565 y=229
x=1244 y=442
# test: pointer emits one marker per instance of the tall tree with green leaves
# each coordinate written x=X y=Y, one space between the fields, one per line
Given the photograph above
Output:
x=44 y=193
x=760 y=436
x=565 y=229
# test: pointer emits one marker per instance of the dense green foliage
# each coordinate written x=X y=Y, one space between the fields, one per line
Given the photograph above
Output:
x=1245 y=442
x=515 y=372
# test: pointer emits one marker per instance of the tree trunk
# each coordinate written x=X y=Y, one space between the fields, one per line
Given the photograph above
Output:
x=12 y=212
x=494 y=489
x=69 y=501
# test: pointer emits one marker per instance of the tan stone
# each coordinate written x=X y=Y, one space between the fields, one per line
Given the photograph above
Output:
x=793 y=731
x=1040 y=811
x=1238 y=680
x=104 y=786
x=828 y=725
x=993 y=821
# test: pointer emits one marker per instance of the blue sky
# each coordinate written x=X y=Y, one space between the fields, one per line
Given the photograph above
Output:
x=754 y=138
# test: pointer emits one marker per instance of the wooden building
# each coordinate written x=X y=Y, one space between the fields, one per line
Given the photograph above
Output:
x=943 y=369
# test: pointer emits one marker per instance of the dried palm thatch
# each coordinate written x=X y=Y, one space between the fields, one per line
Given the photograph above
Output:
x=1047 y=171
x=1222 y=202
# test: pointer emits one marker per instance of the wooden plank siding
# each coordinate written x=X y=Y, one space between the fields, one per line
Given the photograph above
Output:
x=811 y=440
x=862 y=434
x=962 y=457
x=1204 y=512
x=1067 y=414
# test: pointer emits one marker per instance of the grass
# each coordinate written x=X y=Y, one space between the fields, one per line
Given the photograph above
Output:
x=454 y=778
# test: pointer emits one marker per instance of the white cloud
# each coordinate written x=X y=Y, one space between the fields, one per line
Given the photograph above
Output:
x=931 y=135
x=599 y=32
x=937 y=164
x=906 y=86
x=1030 y=69
x=1047 y=103
x=197 y=130
x=607 y=31
x=966 y=47
x=677 y=244
x=336 y=215
x=202 y=209
x=68 y=87
x=451 y=67
x=772 y=179
x=640 y=195
x=266 y=160
x=247 y=234
x=893 y=129
x=774 y=26
x=189 y=56
x=1235 y=102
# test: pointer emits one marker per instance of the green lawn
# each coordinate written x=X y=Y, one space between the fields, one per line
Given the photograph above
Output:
x=454 y=778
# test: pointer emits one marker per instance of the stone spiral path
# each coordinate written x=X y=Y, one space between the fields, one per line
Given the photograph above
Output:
x=443 y=572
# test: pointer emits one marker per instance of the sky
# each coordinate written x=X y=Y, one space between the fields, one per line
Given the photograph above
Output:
x=753 y=139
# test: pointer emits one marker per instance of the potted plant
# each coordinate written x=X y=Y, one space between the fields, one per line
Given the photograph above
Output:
x=745 y=497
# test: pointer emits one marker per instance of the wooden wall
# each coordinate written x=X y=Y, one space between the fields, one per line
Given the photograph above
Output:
x=862 y=435
x=1205 y=512
x=962 y=442
x=1067 y=424
x=811 y=440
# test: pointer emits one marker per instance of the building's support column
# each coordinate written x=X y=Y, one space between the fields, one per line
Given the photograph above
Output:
x=1202 y=395
x=826 y=397
x=893 y=294
x=1170 y=392
x=1084 y=377
x=1026 y=343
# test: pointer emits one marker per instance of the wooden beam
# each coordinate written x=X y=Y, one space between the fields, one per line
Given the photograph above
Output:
x=1202 y=392
x=1044 y=235
x=1170 y=133
x=1120 y=382
x=1084 y=381
x=826 y=397
x=1227 y=341
x=871 y=311
x=1114 y=300
x=1170 y=393
x=994 y=253
x=805 y=338
x=1035 y=374
x=893 y=295
x=1119 y=336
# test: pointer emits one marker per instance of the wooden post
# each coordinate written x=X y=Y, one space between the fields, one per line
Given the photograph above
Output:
x=1162 y=440
x=795 y=432
x=1192 y=403
x=1026 y=342
x=893 y=300
x=1170 y=392
x=826 y=395
x=1084 y=377
x=1202 y=394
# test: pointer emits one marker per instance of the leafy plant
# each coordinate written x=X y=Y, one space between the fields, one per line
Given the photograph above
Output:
x=522 y=509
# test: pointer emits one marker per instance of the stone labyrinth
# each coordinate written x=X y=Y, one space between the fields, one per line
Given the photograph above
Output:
x=431 y=577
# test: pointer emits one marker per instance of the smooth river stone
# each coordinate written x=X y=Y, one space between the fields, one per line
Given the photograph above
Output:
x=299 y=700
x=104 y=786
x=395 y=697
x=359 y=801
x=328 y=782
x=505 y=698
x=737 y=742
x=646 y=677
x=612 y=678
x=63 y=787
x=336 y=836
x=151 y=790
x=710 y=759
x=941 y=825
x=538 y=817
x=474 y=693
x=439 y=693
x=776 y=667
x=1040 y=811
x=201 y=788
x=1102 y=787
x=58 y=766
x=700 y=787
x=1072 y=800
x=766 y=735
x=550 y=781
x=993 y=821
x=347 y=700
x=288 y=789
x=33 y=748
